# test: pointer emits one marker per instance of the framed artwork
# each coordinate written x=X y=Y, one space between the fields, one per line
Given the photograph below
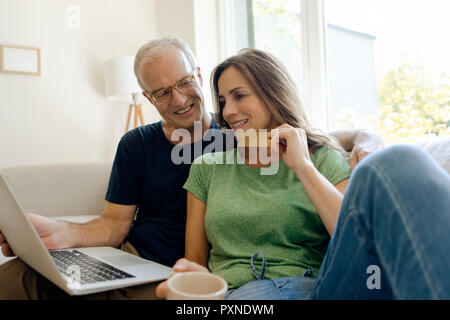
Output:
x=20 y=60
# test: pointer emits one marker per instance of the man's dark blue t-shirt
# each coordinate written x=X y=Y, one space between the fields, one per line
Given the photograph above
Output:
x=144 y=174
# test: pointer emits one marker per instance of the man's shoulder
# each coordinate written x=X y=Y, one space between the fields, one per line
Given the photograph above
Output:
x=149 y=131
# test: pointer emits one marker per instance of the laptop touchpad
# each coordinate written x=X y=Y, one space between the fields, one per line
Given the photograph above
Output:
x=123 y=260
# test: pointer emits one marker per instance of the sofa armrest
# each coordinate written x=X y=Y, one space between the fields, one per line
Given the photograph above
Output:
x=78 y=219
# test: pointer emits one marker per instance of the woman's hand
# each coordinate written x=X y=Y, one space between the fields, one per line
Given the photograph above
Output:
x=182 y=265
x=325 y=197
x=293 y=145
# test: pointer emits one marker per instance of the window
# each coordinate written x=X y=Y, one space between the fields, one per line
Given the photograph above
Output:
x=388 y=67
x=276 y=29
x=290 y=29
x=381 y=65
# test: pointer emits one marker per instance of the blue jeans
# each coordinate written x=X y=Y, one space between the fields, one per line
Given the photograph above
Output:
x=392 y=239
x=289 y=288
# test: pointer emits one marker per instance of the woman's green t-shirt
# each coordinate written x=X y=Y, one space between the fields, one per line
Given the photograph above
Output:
x=249 y=212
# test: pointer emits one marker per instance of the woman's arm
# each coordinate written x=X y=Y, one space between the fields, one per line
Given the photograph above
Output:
x=326 y=198
x=197 y=246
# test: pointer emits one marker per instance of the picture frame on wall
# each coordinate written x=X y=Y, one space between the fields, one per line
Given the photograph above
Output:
x=20 y=60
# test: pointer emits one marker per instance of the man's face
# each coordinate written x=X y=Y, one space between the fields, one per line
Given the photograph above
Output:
x=166 y=71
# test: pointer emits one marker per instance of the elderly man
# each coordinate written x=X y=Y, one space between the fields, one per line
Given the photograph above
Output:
x=145 y=182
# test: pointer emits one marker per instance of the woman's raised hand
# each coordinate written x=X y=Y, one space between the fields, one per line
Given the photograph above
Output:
x=293 y=145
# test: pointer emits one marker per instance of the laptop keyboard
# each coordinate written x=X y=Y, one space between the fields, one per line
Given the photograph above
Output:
x=85 y=269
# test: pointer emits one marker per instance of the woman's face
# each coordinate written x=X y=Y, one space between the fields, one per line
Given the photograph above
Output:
x=241 y=106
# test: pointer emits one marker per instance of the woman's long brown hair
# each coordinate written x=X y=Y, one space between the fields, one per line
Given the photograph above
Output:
x=271 y=81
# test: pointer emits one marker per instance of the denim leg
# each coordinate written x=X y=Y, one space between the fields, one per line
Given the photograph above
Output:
x=287 y=288
x=295 y=288
x=264 y=289
x=395 y=215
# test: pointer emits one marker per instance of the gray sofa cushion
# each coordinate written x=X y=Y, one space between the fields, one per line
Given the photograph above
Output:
x=439 y=149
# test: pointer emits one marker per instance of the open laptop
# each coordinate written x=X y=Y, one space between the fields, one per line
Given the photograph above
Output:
x=77 y=271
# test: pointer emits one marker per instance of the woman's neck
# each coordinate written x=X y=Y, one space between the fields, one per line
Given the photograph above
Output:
x=258 y=157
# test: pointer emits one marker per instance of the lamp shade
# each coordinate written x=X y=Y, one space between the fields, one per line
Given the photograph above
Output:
x=120 y=81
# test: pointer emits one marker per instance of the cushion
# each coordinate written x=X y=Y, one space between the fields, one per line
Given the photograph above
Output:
x=439 y=149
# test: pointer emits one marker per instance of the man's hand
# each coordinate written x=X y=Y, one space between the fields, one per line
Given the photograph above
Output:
x=48 y=229
x=182 y=265
x=51 y=231
x=6 y=249
x=359 y=143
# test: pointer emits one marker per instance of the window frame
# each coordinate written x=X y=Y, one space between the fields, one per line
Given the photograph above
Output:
x=314 y=78
x=315 y=83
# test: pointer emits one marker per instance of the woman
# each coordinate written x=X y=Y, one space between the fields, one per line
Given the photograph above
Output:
x=266 y=235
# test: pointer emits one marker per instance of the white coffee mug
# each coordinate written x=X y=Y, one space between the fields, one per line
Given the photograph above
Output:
x=195 y=285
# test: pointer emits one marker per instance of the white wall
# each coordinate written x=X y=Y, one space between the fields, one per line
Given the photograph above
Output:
x=207 y=42
x=175 y=18
x=63 y=115
x=195 y=21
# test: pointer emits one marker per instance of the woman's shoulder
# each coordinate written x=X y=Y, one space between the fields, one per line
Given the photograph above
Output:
x=331 y=163
x=326 y=157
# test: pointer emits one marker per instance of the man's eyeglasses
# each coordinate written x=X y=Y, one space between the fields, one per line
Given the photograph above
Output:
x=164 y=96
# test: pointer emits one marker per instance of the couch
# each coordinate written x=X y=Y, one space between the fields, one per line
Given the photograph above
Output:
x=76 y=192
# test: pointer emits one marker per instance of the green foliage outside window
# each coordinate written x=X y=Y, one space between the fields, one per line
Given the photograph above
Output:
x=413 y=104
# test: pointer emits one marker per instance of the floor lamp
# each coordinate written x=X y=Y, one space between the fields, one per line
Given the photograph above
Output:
x=121 y=85
x=137 y=113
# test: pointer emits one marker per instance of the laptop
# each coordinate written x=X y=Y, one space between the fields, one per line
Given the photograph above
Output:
x=77 y=271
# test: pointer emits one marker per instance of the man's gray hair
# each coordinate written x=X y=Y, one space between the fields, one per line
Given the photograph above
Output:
x=158 y=47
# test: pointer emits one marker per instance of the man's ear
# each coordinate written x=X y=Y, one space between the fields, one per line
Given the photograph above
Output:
x=199 y=74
